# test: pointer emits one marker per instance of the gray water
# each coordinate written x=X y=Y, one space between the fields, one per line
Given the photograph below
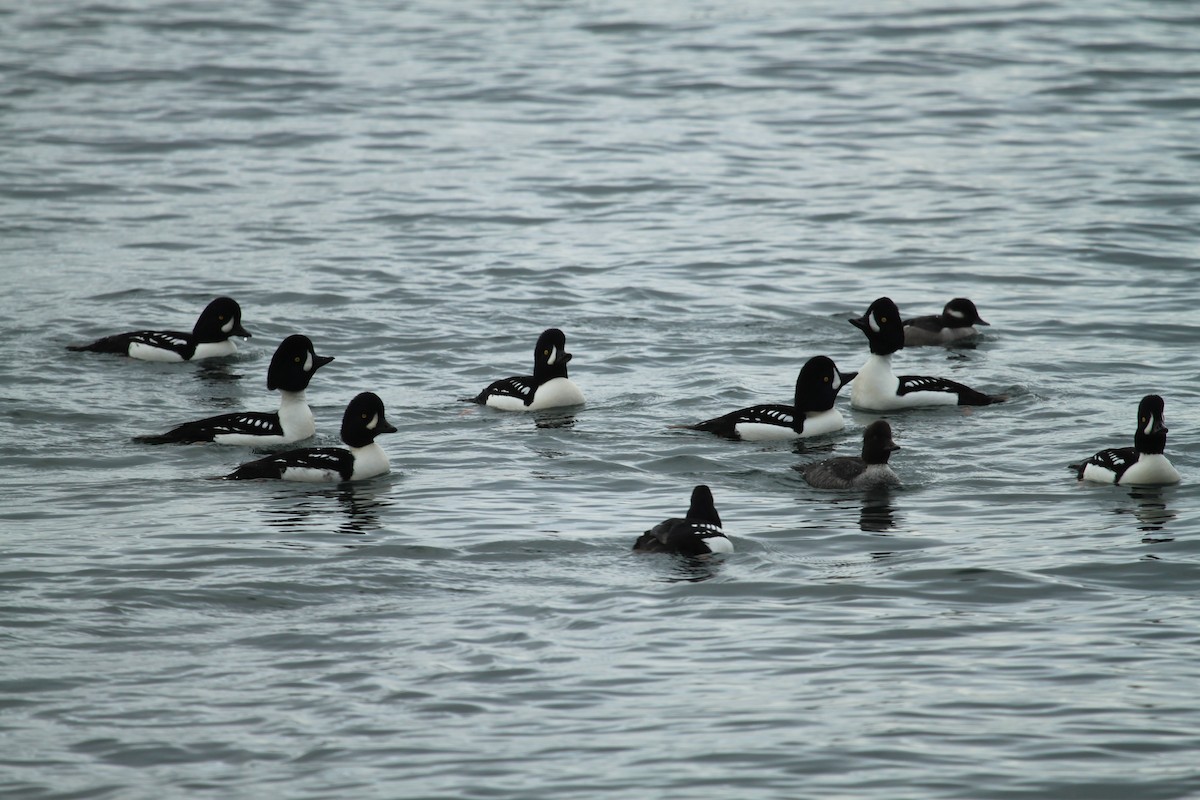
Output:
x=699 y=196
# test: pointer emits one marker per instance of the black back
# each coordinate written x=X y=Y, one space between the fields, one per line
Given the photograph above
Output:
x=251 y=423
x=686 y=536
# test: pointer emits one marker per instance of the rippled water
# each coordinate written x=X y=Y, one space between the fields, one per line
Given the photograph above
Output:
x=699 y=197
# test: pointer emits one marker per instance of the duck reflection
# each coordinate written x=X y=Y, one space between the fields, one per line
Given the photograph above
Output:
x=694 y=570
x=216 y=371
x=552 y=419
x=359 y=505
x=1150 y=509
x=878 y=514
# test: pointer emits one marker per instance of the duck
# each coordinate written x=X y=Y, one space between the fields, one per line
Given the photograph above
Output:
x=877 y=388
x=956 y=322
x=868 y=471
x=292 y=367
x=699 y=533
x=210 y=337
x=547 y=387
x=1143 y=464
x=812 y=412
x=363 y=420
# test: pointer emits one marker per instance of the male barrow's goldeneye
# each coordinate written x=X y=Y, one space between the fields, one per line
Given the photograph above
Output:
x=867 y=471
x=548 y=387
x=209 y=338
x=698 y=534
x=877 y=388
x=957 y=321
x=291 y=369
x=362 y=422
x=1144 y=463
x=811 y=414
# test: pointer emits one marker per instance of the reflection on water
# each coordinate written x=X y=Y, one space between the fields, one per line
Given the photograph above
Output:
x=878 y=514
x=694 y=570
x=553 y=419
x=216 y=371
x=1150 y=509
x=352 y=508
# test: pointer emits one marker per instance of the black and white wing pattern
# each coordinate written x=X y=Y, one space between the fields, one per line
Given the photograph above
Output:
x=313 y=464
x=966 y=395
x=519 y=387
x=783 y=416
x=684 y=537
x=1115 y=460
x=244 y=423
x=182 y=343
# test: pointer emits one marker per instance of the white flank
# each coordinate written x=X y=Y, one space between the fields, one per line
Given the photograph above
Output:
x=310 y=475
x=762 y=432
x=1098 y=474
x=147 y=353
x=719 y=544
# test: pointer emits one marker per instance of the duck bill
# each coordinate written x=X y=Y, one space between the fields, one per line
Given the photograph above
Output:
x=320 y=361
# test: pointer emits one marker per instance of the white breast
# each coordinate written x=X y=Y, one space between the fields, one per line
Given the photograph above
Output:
x=369 y=461
x=822 y=422
x=876 y=385
x=295 y=417
x=1150 y=470
x=556 y=392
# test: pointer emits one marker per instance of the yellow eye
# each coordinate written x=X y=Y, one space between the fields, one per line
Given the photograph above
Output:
x=221 y=317
x=364 y=416
x=827 y=379
x=296 y=359
x=883 y=319
x=545 y=352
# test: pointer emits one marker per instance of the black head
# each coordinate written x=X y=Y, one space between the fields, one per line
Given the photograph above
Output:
x=550 y=356
x=219 y=320
x=961 y=313
x=877 y=442
x=818 y=384
x=1151 y=436
x=364 y=420
x=702 y=508
x=293 y=364
x=883 y=326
